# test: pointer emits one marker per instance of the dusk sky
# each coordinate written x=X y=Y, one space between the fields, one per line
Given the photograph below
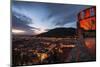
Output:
x=34 y=17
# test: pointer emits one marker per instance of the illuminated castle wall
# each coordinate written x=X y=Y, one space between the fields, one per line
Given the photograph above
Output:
x=86 y=26
x=87 y=19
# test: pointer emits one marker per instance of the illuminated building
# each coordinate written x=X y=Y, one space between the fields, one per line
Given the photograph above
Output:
x=87 y=29
x=87 y=21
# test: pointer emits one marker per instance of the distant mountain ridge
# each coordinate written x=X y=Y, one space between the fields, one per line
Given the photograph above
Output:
x=59 y=32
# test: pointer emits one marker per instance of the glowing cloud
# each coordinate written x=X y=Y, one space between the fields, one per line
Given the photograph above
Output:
x=15 y=31
x=39 y=30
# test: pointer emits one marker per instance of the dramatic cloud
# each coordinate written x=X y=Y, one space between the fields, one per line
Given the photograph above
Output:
x=20 y=22
x=35 y=17
x=64 y=13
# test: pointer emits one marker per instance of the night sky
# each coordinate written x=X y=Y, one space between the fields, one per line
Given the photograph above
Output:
x=32 y=18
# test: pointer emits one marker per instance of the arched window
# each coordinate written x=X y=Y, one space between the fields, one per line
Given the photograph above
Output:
x=87 y=13
x=82 y=15
x=92 y=12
